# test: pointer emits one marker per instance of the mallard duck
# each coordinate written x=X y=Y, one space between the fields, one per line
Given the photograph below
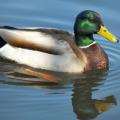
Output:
x=58 y=50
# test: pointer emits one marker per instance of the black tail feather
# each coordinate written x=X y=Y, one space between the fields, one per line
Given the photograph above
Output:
x=8 y=27
x=2 y=42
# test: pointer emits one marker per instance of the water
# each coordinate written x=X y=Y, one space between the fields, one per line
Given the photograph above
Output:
x=93 y=95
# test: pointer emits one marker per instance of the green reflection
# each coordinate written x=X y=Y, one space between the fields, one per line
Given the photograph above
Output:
x=84 y=106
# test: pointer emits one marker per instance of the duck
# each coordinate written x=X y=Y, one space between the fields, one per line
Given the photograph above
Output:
x=58 y=50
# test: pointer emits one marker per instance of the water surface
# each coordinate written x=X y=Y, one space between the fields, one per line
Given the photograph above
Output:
x=93 y=95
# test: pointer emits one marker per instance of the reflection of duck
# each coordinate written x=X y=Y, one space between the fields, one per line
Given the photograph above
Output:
x=22 y=75
x=57 y=50
x=84 y=106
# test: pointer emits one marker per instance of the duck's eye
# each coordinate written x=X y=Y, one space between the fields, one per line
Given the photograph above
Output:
x=91 y=20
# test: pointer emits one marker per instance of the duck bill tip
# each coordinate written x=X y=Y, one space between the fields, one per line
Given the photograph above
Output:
x=106 y=34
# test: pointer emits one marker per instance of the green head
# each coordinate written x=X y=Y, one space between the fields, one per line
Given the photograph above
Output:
x=88 y=23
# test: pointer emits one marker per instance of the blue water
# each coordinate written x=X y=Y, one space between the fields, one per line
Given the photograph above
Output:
x=77 y=97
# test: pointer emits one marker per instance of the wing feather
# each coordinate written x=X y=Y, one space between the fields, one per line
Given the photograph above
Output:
x=44 y=40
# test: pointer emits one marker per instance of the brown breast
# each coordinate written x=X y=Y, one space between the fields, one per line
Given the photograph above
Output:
x=96 y=57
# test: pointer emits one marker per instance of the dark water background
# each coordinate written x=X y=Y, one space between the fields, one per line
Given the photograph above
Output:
x=94 y=95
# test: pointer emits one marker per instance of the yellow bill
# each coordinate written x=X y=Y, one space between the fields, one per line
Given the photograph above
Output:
x=106 y=34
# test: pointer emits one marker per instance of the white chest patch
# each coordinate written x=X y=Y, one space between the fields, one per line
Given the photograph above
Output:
x=88 y=45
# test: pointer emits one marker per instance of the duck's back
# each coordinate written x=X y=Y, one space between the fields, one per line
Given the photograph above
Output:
x=41 y=39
